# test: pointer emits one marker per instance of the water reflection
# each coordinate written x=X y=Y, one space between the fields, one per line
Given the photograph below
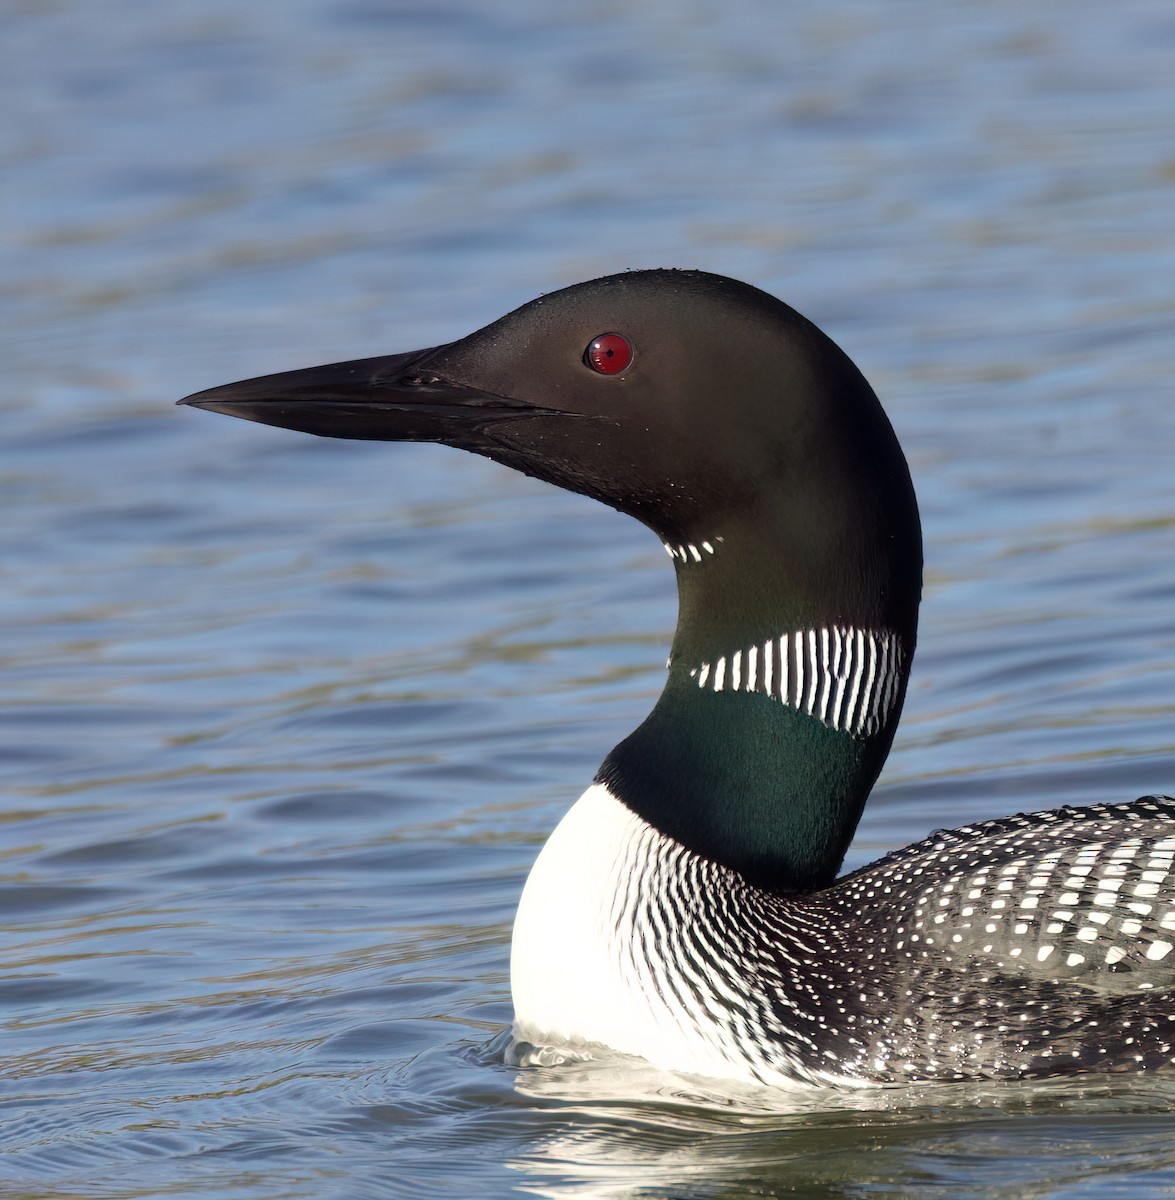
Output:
x=629 y=1130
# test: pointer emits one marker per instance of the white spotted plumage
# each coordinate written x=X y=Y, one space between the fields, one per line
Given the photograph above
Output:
x=1023 y=947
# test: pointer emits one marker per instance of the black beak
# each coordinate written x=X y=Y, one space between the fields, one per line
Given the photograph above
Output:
x=391 y=399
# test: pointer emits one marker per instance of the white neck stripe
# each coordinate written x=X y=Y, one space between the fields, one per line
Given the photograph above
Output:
x=687 y=552
x=847 y=678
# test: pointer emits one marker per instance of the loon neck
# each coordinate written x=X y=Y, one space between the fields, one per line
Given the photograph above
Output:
x=786 y=680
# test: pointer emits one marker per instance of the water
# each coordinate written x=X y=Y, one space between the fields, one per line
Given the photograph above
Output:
x=285 y=721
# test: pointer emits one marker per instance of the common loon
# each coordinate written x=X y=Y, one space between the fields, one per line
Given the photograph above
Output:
x=686 y=910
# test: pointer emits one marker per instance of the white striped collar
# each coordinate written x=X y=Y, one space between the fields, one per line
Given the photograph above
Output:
x=848 y=678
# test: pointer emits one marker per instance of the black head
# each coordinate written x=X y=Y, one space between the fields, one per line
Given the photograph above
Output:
x=731 y=407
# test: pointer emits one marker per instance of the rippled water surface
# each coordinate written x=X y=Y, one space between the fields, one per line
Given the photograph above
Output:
x=284 y=721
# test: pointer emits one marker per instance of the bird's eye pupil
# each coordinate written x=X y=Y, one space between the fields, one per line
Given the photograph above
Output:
x=609 y=354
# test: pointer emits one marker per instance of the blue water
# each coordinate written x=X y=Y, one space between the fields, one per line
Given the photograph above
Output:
x=283 y=721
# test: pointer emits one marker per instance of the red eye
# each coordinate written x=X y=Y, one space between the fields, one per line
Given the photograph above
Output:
x=609 y=354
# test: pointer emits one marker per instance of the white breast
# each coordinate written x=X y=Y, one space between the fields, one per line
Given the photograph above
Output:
x=579 y=968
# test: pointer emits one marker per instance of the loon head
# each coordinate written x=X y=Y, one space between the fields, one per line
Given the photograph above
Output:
x=754 y=448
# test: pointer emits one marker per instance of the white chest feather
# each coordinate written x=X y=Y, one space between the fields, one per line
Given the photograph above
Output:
x=588 y=960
